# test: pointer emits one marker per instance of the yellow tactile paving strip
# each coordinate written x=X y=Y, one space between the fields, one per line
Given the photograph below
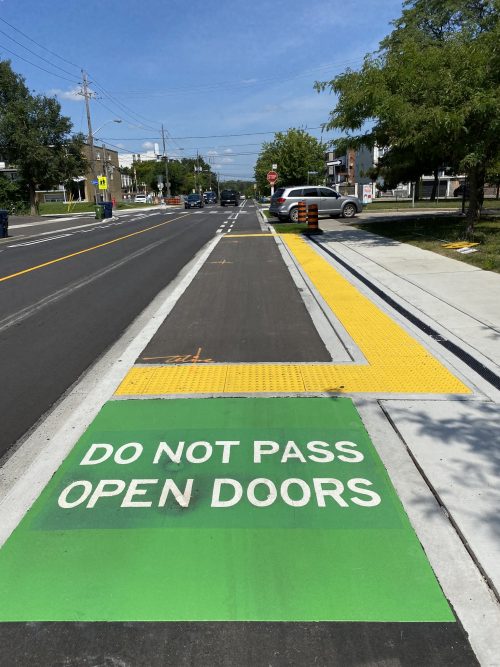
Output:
x=397 y=363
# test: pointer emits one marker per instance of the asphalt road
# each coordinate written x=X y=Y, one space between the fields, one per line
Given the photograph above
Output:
x=68 y=289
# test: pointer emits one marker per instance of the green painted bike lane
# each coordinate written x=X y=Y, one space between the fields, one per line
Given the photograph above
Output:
x=230 y=509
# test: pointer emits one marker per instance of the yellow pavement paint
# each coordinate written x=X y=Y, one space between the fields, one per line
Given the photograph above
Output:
x=457 y=245
x=396 y=362
x=81 y=252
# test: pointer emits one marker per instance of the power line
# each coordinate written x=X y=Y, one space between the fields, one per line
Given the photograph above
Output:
x=127 y=110
x=38 y=66
x=40 y=45
x=124 y=107
x=243 y=83
x=36 y=54
x=216 y=136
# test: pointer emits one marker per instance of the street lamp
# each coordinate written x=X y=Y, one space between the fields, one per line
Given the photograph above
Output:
x=113 y=120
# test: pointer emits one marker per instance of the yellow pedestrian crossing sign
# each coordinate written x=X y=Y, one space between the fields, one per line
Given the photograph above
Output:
x=103 y=183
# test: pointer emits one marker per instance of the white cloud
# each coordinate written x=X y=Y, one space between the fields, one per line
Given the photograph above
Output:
x=212 y=153
x=228 y=150
x=74 y=94
x=226 y=160
x=148 y=145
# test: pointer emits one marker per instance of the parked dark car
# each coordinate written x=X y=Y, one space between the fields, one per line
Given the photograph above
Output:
x=229 y=197
x=193 y=201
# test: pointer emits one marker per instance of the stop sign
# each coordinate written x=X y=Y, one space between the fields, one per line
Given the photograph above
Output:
x=272 y=177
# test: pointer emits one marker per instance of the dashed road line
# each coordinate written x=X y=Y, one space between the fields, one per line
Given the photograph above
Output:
x=26 y=243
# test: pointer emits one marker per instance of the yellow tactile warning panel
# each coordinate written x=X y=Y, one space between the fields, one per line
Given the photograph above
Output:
x=397 y=363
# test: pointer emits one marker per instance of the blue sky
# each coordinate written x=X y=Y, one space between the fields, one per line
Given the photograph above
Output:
x=200 y=67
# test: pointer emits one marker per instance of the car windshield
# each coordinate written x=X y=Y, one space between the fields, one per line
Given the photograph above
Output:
x=193 y=197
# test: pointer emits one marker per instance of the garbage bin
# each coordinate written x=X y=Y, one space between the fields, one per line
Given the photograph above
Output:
x=4 y=223
x=108 y=209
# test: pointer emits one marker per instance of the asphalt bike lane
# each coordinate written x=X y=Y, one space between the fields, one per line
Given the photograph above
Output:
x=215 y=503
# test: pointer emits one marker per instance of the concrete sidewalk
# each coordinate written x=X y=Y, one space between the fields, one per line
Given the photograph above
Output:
x=452 y=442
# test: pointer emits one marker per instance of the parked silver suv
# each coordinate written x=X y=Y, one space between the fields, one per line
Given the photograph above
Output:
x=285 y=200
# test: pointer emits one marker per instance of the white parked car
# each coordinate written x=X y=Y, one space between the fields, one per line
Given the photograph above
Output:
x=140 y=199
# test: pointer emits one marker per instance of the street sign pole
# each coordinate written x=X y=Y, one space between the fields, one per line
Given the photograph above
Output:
x=272 y=177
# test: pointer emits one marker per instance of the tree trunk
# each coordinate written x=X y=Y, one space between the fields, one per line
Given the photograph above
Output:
x=435 y=185
x=32 y=193
x=498 y=190
x=476 y=196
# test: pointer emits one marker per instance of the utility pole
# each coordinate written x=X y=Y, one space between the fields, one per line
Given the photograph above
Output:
x=87 y=95
x=198 y=179
x=165 y=157
x=105 y=165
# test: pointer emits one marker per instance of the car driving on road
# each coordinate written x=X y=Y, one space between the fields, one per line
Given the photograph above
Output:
x=193 y=201
x=229 y=198
x=284 y=202
x=210 y=197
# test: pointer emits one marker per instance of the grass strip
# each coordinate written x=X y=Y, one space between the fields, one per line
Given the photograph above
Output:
x=430 y=233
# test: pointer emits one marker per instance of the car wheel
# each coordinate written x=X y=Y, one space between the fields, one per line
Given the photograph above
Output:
x=349 y=211
x=222 y=204
x=294 y=215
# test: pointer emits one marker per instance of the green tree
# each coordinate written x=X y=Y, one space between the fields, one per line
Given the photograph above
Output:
x=241 y=186
x=12 y=195
x=430 y=93
x=35 y=137
x=295 y=152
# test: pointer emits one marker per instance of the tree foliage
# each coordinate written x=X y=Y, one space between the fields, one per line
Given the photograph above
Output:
x=431 y=93
x=243 y=187
x=295 y=152
x=181 y=174
x=35 y=137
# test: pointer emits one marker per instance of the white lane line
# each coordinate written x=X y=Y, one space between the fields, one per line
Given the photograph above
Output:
x=26 y=473
x=52 y=238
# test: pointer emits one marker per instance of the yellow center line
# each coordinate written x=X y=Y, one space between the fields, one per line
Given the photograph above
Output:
x=95 y=247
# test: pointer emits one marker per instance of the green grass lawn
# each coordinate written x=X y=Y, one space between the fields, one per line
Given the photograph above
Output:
x=289 y=228
x=431 y=233
x=456 y=202
x=55 y=207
